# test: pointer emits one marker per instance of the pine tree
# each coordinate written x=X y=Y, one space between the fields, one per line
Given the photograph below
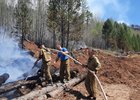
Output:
x=107 y=31
x=52 y=19
x=64 y=17
x=23 y=20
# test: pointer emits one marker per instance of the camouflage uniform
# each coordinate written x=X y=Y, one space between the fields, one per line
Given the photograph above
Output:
x=65 y=70
x=46 y=64
x=90 y=82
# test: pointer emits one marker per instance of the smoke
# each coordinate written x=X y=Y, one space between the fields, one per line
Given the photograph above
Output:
x=13 y=60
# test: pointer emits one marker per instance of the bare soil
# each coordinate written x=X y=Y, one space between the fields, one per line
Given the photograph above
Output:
x=120 y=75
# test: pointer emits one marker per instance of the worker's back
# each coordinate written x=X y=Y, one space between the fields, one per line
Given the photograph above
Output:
x=45 y=55
x=93 y=63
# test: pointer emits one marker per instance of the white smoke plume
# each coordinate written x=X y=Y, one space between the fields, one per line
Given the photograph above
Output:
x=13 y=60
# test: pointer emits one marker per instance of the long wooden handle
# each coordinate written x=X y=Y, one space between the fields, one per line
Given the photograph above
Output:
x=67 y=55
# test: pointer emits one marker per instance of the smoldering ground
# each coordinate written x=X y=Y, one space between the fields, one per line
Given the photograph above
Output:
x=13 y=60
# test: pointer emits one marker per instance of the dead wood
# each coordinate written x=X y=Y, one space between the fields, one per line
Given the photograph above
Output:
x=38 y=93
x=14 y=85
x=70 y=83
x=3 y=78
x=51 y=90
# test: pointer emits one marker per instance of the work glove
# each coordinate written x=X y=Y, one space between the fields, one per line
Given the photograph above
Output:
x=84 y=65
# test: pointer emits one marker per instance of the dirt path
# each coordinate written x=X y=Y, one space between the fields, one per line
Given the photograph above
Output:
x=117 y=92
x=113 y=91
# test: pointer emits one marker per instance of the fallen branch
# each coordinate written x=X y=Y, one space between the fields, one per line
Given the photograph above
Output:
x=38 y=93
x=49 y=89
x=14 y=85
x=70 y=83
x=3 y=78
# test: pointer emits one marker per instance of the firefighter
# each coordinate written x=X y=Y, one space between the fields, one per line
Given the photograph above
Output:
x=45 y=55
x=93 y=65
x=64 y=64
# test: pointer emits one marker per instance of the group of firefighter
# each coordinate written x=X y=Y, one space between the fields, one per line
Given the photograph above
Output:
x=93 y=64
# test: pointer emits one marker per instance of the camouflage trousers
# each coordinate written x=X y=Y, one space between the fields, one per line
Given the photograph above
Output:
x=46 y=70
x=64 y=70
x=91 y=85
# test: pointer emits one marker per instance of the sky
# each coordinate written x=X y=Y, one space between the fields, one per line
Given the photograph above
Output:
x=127 y=11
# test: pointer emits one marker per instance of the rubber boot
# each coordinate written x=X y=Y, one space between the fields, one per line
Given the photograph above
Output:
x=50 y=82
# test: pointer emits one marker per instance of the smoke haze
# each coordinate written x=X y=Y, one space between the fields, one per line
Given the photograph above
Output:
x=13 y=60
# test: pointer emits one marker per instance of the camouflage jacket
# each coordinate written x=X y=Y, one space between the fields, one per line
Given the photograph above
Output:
x=45 y=55
x=93 y=63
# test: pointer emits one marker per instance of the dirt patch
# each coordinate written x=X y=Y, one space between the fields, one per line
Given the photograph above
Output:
x=117 y=92
x=135 y=95
x=32 y=47
x=120 y=70
x=113 y=91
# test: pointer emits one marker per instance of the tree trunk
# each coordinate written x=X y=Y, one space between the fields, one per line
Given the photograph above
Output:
x=14 y=85
x=51 y=91
x=22 y=40
x=38 y=93
x=62 y=33
x=68 y=31
x=54 y=39
x=70 y=83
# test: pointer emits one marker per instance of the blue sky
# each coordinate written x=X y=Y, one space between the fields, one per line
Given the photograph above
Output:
x=127 y=11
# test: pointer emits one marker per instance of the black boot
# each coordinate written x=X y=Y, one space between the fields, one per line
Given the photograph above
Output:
x=94 y=98
x=50 y=82
x=62 y=81
x=89 y=97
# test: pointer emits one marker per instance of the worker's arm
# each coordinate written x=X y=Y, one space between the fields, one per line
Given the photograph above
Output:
x=40 y=56
x=53 y=53
x=98 y=64
x=47 y=50
x=36 y=61
x=64 y=51
x=49 y=58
